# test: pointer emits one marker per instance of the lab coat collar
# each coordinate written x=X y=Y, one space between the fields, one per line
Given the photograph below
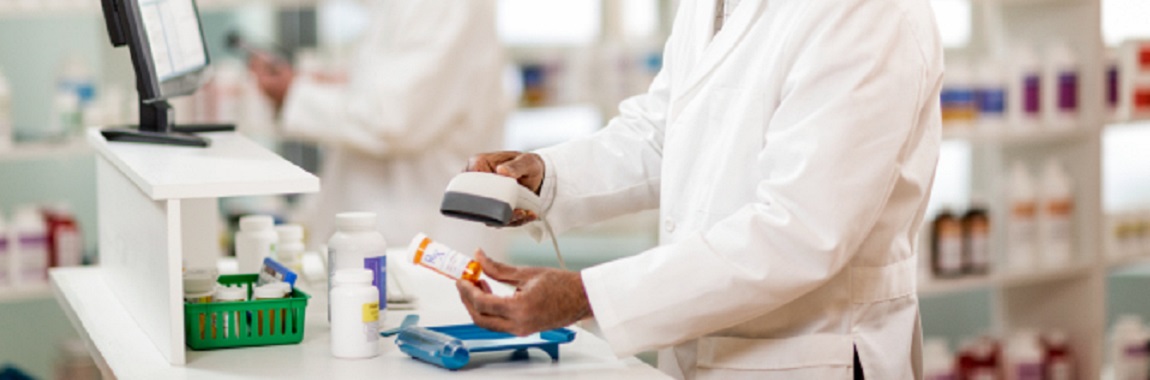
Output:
x=710 y=48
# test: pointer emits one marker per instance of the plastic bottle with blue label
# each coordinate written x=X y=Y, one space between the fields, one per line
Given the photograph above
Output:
x=357 y=244
x=990 y=95
x=1025 y=89
x=1060 y=92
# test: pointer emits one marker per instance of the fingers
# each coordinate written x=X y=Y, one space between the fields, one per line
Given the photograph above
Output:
x=520 y=217
x=487 y=162
x=504 y=273
x=527 y=169
x=486 y=310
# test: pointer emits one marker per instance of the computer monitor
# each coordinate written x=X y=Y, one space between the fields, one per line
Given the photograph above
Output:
x=170 y=59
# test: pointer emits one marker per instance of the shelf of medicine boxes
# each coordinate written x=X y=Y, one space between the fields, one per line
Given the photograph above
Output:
x=41 y=150
x=1007 y=135
x=937 y=287
x=26 y=293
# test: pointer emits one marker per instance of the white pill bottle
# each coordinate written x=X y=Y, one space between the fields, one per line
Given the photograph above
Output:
x=255 y=240
x=357 y=244
x=354 y=315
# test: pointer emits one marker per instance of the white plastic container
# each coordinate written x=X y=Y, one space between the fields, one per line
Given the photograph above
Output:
x=1057 y=212
x=1023 y=357
x=356 y=244
x=1061 y=87
x=255 y=240
x=5 y=114
x=289 y=250
x=1128 y=355
x=229 y=321
x=354 y=315
x=1025 y=90
x=937 y=361
x=30 y=235
x=1021 y=224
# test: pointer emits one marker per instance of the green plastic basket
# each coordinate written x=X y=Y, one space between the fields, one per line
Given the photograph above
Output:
x=209 y=326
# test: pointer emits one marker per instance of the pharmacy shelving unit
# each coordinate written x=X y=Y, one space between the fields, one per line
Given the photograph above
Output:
x=46 y=150
x=157 y=214
x=1071 y=298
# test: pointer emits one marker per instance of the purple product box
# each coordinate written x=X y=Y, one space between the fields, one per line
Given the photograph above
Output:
x=378 y=267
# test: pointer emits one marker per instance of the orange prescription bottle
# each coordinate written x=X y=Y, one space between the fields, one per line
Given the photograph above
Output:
x=444 y=260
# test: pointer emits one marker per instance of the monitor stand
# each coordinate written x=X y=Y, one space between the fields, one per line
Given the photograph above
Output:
x=156 y=127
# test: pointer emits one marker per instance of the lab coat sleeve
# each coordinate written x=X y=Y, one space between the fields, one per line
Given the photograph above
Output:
x=832 y=153
x=411 y=85
x=631 y=145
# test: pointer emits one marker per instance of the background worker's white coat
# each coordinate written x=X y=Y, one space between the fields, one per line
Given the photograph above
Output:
x=423 y=95
x=791 y=158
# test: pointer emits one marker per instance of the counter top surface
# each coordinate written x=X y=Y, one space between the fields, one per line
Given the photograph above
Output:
x=125 y=350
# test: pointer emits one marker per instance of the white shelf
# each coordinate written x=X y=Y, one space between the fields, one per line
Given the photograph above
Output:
x=30 y=293
x=122 y=349
x=1015 y=137
x=48 y=8
x=46 y=150
x=938 y=287
x=232 y=166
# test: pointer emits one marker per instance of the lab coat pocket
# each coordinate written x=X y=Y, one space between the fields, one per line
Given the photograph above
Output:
x=796 y=357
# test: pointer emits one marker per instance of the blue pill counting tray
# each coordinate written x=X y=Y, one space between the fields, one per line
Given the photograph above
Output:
x=451 y=346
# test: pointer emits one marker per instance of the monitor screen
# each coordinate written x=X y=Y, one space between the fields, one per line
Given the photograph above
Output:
x=174 y=37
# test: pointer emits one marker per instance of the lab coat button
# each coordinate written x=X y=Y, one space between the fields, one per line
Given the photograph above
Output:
x=669 y=225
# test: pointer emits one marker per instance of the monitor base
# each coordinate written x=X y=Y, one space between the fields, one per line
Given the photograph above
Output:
x=178 y=138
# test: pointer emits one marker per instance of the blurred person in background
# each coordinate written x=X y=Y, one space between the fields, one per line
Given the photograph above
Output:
x=423 y=93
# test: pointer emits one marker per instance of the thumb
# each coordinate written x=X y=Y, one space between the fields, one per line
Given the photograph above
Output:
x=517 y=167
x=508 y=274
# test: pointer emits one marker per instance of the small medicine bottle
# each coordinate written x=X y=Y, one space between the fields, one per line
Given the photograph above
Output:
x=290 y=248
x=444 y=260
x=1057 y=361
x=976 y=239
x=946 y=245
x=269 y=320
x=356 y=244
x=229 y=320
x=354 y=315
x=255 y=240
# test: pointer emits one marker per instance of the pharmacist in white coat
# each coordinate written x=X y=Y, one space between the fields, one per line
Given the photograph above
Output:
x=424 y=93
x=791 y=155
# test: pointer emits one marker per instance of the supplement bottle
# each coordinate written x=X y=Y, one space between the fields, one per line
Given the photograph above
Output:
x=356 y=244
x=937 y=362
x=443 y=260
x=270 y=321
x=976 y=239
x=354 y=315
x=1057 y=359
x=255 y=240
x=946 y=245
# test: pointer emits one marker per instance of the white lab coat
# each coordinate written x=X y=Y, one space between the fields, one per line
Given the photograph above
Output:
x=791 y=158
x=423 y=94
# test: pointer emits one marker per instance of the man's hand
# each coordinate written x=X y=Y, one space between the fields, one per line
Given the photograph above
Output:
x=526 y=168
x=544 y=299
x=274 y=76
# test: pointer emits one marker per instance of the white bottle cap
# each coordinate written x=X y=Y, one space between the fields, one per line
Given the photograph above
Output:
x=231 y=294
x=267 y=292
x=289 y=233
x=352 y=276
x=256 y=223
x=283 y=287
x=355 y=221
x=199 y=281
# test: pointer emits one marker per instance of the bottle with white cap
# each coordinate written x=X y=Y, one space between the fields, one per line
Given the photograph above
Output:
x=289 y=250
x=1023 y=357
x=1128 y=355
x=1025 y=89
x=1021 y=229
x=356 y=244
x=354 y=315
x=1060 y=92
x=1057 y=214
x=255 y=240
x=29 y=238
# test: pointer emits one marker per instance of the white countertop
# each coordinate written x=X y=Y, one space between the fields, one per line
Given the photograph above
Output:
x=125 y=350
x=232 y=166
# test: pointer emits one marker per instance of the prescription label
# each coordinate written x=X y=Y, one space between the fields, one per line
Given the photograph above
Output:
x=444 y=260
x=370 y=312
